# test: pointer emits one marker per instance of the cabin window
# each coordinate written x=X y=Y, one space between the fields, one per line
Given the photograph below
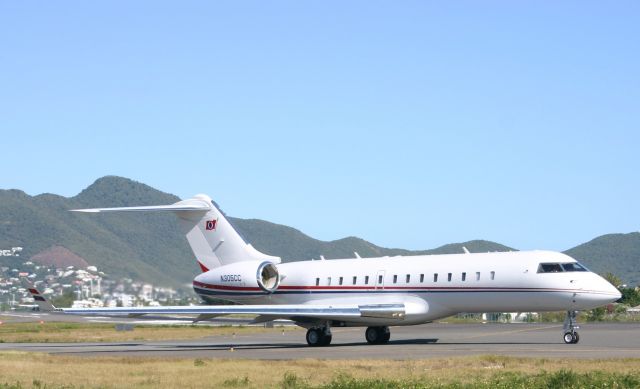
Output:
x=477 y=276
x=435 y=277
x=493 y=275
x=329 y=281
x=340 y=281
x=449 y=277
x=366 y=280
x=355 y=279
x=395 y=278
x=408 y=278
x=317 y=281
x=421 y=278
x=464 y=276
x=380 y=280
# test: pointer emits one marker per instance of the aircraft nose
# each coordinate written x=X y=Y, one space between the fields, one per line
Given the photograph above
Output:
x=617 y=294
x=611 y=292
x=599 y=292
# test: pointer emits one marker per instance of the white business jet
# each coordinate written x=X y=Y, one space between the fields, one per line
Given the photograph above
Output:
x=375 y=292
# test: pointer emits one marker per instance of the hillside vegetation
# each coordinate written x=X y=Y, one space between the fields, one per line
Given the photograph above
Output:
x=150 y=247
x=615 y=253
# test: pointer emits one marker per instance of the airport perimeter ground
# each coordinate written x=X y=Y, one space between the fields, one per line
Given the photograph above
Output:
x=432 y=355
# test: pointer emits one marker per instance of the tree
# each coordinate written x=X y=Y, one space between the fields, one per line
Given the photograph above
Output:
x=65 y=300
x=596 y=314
x=613 y=279
x=630 y=297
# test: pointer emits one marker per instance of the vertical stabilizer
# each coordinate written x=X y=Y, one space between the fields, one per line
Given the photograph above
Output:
x=213 y=239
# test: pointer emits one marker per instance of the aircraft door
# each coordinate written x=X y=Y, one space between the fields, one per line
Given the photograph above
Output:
x=380 y=279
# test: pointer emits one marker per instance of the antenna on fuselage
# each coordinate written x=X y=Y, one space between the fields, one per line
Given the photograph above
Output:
x=357 y=255
x=466 y=251
x=322 y=257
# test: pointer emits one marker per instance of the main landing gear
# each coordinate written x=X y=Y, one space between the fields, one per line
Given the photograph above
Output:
x=570 y=334
x=377 y=335
x=319 y=336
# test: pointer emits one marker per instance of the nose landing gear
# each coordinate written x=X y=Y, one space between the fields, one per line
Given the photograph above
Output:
x=570 y=334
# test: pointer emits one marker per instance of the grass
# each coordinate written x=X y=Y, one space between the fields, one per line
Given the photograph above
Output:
x=69 y=332
x=29 y=370
x=34 y=370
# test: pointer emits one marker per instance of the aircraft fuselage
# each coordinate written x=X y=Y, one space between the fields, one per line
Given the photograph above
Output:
x=432 y=286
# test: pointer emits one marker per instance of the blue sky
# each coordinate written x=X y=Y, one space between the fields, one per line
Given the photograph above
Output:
x=409 y=124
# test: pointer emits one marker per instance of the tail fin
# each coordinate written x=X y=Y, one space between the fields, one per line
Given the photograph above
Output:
x=213 y=240
x=43 y=304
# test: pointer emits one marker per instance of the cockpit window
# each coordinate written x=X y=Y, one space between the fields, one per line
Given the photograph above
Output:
x=560 y=267
x=550 y=268
x=573 y=266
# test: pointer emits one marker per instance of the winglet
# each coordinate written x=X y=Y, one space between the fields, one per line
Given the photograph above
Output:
x=42 y=303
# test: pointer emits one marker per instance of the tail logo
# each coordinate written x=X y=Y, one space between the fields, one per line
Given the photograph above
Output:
x=36 y=295
x=211 y=225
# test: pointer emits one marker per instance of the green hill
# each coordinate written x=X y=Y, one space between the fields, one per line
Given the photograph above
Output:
x=291 y=244
x=615 y=253
x=149 y=246
x=145 y=246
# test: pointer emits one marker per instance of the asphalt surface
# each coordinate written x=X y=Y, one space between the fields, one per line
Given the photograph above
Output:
x=603 y=340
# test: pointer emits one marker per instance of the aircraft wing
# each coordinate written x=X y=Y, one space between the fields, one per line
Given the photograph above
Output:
x=295 y=312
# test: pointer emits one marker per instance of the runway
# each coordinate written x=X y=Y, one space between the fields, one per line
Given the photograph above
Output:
x=605 y=340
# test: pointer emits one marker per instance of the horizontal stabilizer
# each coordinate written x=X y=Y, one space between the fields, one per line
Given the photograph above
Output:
x=168 y=208
x=211 y=236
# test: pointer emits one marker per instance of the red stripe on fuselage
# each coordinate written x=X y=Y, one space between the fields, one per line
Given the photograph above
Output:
x=224 y=287
x=369 y=288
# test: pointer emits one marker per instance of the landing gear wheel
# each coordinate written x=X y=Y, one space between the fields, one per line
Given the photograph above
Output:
x=314 y=337
x=386 y=337
x=326 y=340
x=377 y=335
x=371 y=334
x=571 y=337
x=318 y=337
x=568 y=337
x=570 y=334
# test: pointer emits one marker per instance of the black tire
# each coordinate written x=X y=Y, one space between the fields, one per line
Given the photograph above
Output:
x=326 y=340
x=576 y=338
x=373 y=335
x=314 y=337
x=568 y=337
x=385 y=337
x=377 y=335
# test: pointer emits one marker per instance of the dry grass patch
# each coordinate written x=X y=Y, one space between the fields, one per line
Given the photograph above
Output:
x=127 y=372
x=53 y=332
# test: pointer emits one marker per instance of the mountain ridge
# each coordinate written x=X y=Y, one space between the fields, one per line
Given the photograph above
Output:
x=150 y=247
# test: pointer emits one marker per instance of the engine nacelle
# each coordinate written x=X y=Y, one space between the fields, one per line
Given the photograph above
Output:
x=248 y=274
